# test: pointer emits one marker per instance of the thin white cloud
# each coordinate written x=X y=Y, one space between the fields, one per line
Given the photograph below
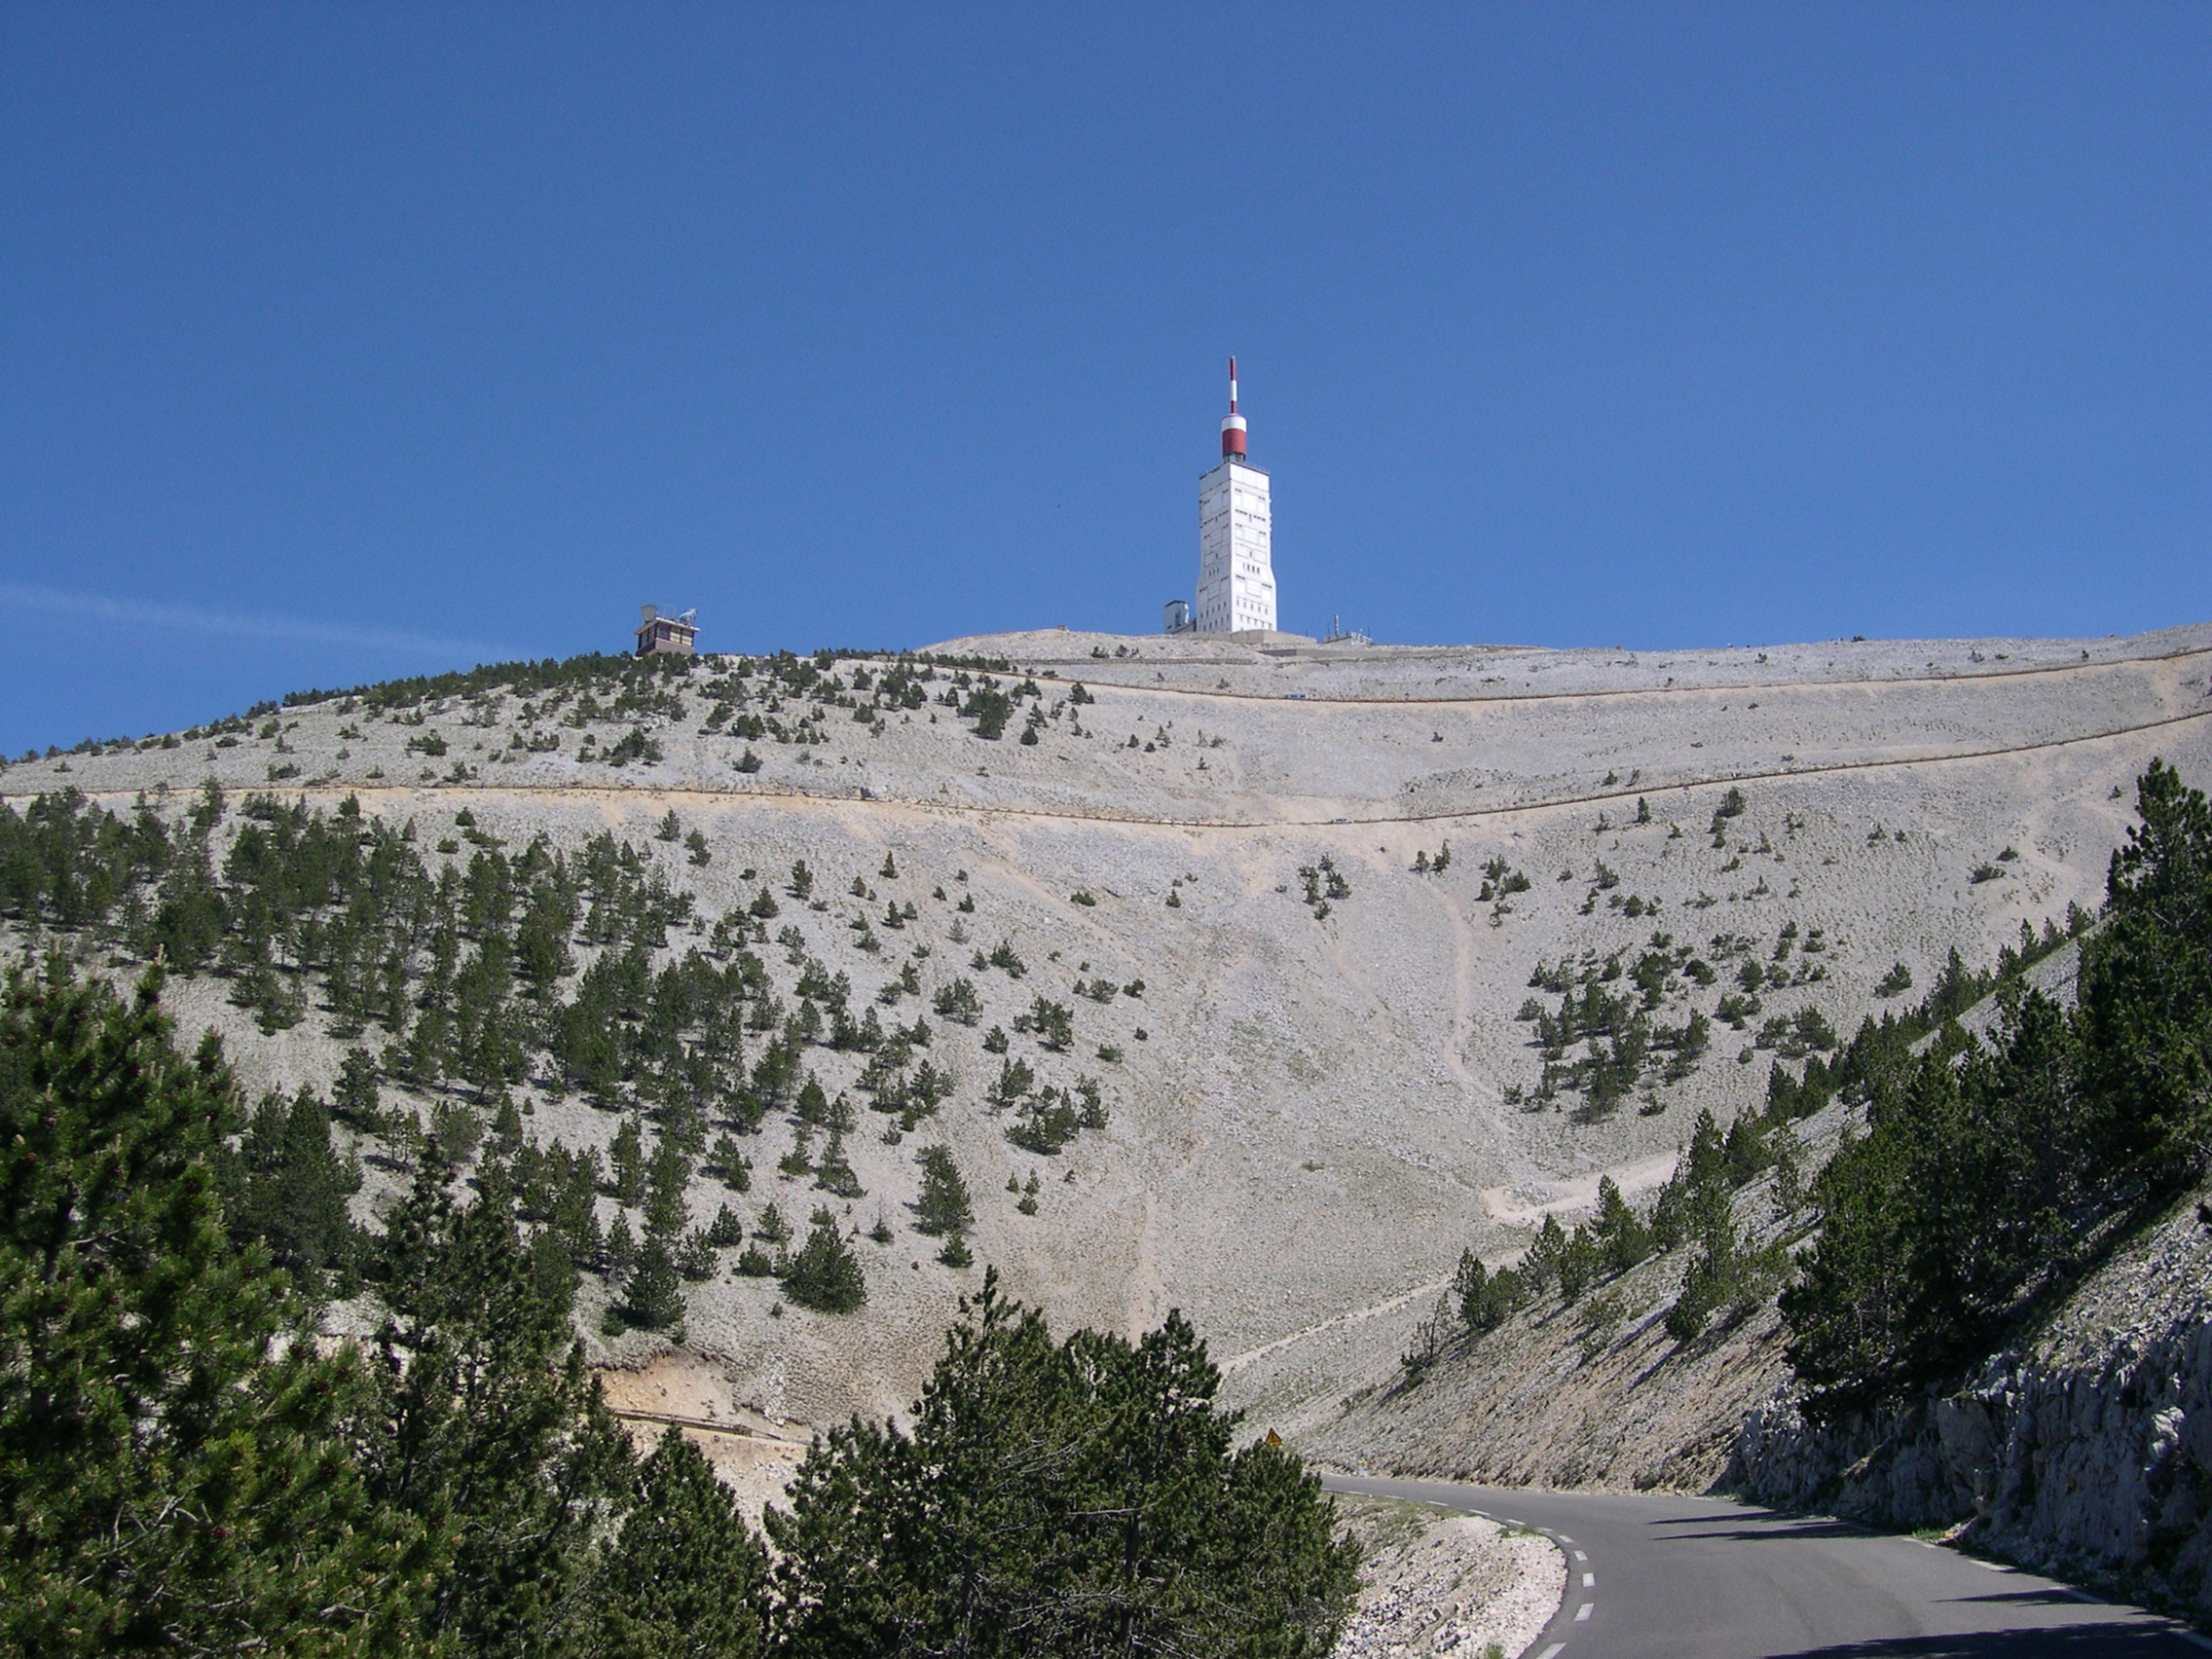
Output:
x=194 y=619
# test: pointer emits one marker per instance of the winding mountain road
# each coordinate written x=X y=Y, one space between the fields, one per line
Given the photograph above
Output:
x=1652 y=1577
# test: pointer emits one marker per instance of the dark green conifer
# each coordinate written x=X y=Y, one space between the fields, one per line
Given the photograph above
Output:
x=626 y=1163
x=487 y=1423
x=823 y=1274
x=945 y=1205
x=1623 y=1239
x=173 y=1476
x=286 y=1188
x=1145 y=1531
x=620 y=1252
x=685 y=1578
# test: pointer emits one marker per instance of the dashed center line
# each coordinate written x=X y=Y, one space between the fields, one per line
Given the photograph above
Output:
x=1551 y=1653
x=1583 y=1612
x=1580 y=1555
x=1589 y=1581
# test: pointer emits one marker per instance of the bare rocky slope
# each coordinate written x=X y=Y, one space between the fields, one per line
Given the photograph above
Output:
x=1330 y=1099
x=1595 y=1393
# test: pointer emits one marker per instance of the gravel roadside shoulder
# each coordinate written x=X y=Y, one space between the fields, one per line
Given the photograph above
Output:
x=1441 y=1583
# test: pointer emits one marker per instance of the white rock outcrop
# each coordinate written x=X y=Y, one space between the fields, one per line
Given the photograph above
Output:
x=2087 y=1452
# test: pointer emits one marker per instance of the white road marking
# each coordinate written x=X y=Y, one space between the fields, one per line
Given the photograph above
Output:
x=1551 y=1653
x=1583 y=1613
x=1991 y=1566
x=1580 y=1555
x=1589 y=1581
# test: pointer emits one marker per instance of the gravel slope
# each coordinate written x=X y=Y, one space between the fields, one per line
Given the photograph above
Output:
x=1323 y=1111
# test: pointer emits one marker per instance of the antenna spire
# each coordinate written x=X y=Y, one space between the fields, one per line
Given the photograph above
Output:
x=1232 y=428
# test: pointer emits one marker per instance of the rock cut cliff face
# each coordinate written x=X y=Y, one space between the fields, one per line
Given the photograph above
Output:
x=1330 y=1099
x=2086 y=1450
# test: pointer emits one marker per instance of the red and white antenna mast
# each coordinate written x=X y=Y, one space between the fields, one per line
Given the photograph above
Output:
x=1232 y=427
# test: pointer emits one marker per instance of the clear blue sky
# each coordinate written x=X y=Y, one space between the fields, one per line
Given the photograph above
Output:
x=344 y=341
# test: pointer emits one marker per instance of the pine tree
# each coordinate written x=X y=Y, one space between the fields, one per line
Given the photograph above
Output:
x=1487 y=1299
x=944 y=1206
x=1468 y=1283
x=696 y=1256
x=626 y=1158
x=1052 y=1498
x=1539 y=1265
x=173 y=1476
x=667 y=1177
x=354 y=1097
x=825 y=1274
x=652 y=1299
x=487 y=1424
x=1580 y=1263
x=812 y=1108
x=622 y=1248
x=833 y=1170
x=574 y=1212
x=731 y=1164
x=455 y=1131
x=286 y=1187
x=685 y=1578
x=1623 y=1239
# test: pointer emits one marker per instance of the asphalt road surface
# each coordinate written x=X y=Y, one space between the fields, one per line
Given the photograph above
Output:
x=1650 y=1577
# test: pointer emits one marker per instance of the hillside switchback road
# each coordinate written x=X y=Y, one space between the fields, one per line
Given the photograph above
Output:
x=1653 y=1576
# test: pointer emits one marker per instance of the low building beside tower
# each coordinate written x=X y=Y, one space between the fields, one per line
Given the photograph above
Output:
x=666 y=635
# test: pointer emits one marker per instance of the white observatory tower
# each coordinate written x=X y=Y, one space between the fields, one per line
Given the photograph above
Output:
x=1236 y=576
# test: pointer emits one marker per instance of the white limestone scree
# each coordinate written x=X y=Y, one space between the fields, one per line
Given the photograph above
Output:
x=1237 y=573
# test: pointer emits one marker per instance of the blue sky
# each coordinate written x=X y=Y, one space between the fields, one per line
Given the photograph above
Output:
x=345 y=341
